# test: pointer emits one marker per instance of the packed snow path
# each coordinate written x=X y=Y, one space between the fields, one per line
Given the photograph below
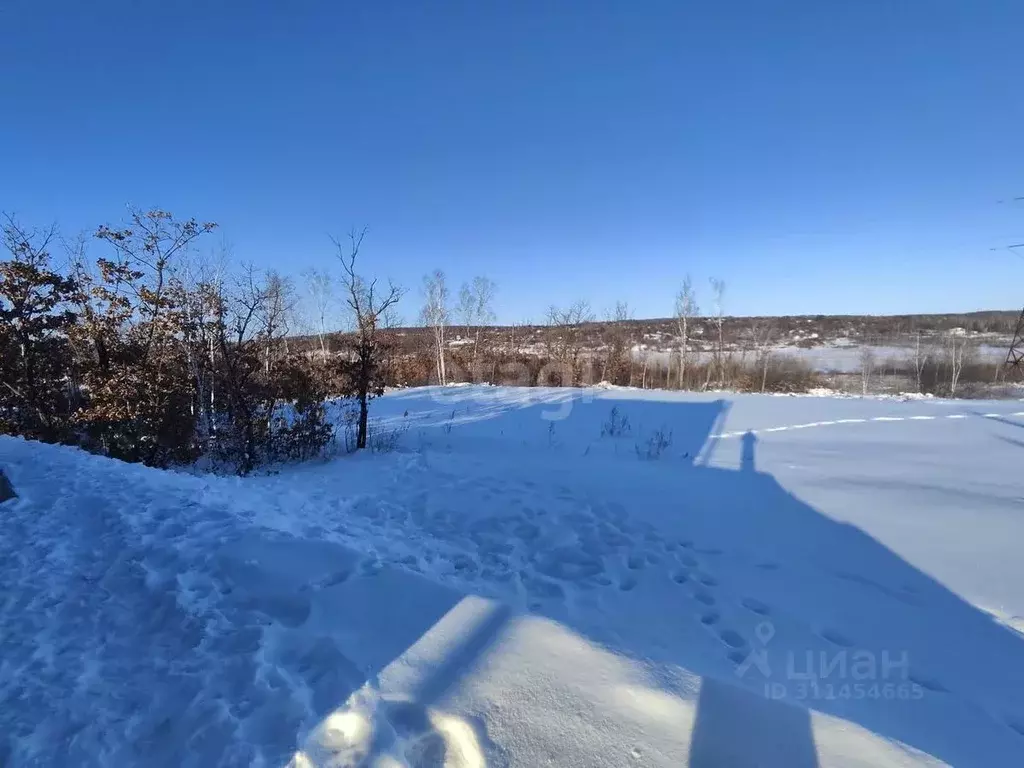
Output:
x=523 y=584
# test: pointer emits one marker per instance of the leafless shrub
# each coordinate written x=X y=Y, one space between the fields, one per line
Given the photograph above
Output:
x=761 y=338
x=789 y=374
x=617 y=424
x=566 y=338
x=386 y=439
x=655 y=445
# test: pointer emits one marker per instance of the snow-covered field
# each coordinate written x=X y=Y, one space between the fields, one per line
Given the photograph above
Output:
x=839 y=358
x=736 y=581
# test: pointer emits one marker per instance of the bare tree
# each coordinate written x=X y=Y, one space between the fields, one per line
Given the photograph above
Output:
x=203 y=296
x=762 y=334
x=920 y=360
x=475 y=308
x=957 y=348
x=565 y=336
x=436 y=315
x=275 y=313
x=321 y=290
x=370 y=308
x=686 y=310
x=617 y=365
x=718 y=291
x=867 y=367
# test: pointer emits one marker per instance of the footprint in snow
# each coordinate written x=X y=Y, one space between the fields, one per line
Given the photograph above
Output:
x=688 y=560
x=709 y=619
x=539 y=588
x=1017 y=725
x=652 y=537
x=707 y=580
x=927 y=683
x=737 y=656
x=703 y=597
x=680 y=576
x=836 y=638
x=755 y=606
x=732 y=638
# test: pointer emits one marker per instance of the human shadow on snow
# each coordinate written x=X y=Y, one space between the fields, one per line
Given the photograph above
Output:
x=789 y=580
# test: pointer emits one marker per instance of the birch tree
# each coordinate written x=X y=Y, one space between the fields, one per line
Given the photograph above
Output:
x=957 y=350
x=920 y=360
x=686 y=310
x=275 y=313
x=436 y=315
x=475 y=308
x=321 y=291
x=718 y=292
x=867 y=367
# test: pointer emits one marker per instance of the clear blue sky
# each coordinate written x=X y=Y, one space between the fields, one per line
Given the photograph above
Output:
x=820 y=156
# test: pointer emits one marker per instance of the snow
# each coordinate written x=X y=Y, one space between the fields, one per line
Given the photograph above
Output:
x=836 y=356
x=731 y=580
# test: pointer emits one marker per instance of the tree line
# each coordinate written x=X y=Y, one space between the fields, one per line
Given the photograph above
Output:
x=147 y=353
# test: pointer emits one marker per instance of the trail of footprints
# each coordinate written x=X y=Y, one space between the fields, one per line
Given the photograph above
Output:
x=549 y=554
x=690 y=573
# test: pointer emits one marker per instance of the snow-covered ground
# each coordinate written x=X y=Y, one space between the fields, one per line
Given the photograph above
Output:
x=834 y=357
x=735 y=581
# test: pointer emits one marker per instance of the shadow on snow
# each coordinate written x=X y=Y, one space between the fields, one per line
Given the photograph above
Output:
x=760 y=562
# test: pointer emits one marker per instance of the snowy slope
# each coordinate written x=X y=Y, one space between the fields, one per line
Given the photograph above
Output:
x=738 y=581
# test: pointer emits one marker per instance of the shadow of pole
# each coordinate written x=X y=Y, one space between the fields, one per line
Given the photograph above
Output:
x=461 y=660
x=747 y=462
x=707 y=451
x=740 y=729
